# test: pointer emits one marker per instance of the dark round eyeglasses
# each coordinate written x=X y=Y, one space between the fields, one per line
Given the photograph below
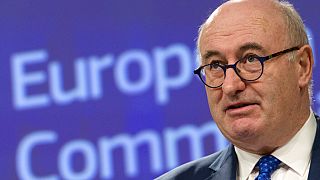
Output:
x=248 y=68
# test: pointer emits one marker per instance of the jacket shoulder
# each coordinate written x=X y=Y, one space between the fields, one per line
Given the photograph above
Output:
x=197 y=169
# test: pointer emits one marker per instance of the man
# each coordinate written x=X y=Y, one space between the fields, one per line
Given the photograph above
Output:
x=256 y=64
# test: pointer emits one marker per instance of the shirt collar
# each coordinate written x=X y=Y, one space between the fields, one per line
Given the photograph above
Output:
x=246 y=162
x=293 y=154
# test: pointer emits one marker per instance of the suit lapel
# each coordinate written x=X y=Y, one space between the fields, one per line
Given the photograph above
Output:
x=225 y=166
x=314 y=172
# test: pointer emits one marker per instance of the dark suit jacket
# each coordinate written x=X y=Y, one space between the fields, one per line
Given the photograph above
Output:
x=223 y=165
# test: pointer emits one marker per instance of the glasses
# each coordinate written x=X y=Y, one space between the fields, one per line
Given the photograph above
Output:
x=248 y=68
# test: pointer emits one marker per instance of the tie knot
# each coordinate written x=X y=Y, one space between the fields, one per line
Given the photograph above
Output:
x=267 y=164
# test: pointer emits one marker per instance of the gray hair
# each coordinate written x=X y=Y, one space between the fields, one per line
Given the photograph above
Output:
x=296 y=31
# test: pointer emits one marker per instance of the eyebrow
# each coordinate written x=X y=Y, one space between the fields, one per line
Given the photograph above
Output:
x=243 y=48
x=209 y=54
x=251 y=46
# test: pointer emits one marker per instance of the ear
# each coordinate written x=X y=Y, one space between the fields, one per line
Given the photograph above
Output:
x=305 y=64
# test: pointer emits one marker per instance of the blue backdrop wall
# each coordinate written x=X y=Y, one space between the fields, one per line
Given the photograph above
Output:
x=105 y=90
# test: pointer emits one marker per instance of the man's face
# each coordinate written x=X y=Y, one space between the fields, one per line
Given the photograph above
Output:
x=252 y=115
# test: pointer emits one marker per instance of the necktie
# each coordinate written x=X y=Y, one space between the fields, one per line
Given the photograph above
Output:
x=267 y=165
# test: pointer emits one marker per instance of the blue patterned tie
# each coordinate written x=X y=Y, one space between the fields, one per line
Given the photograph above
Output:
x=267 y=164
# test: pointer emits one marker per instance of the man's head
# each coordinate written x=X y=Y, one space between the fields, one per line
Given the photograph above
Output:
x=262 y=115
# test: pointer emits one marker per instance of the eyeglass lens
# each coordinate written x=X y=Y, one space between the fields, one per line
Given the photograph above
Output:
x=248 y=68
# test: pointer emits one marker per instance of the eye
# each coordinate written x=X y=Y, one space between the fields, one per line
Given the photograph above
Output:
x=215 y=65
x=251 y=58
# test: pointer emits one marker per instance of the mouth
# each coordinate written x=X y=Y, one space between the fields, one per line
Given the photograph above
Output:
x=239 y=106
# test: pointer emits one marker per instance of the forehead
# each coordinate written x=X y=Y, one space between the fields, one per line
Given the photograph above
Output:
x=235 y=24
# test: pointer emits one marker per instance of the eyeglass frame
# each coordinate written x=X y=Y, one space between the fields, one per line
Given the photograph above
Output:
x=233 y=66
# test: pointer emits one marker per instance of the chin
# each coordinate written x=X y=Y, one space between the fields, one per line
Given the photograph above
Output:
x=244 y=129
x=244 y=134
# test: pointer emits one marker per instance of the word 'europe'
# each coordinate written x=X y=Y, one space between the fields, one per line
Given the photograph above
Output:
x=34 y=87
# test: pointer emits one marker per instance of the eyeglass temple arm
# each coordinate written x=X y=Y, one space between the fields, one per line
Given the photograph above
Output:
x=281 y=52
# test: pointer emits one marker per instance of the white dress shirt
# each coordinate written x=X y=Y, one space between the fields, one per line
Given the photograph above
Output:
x=295 y=156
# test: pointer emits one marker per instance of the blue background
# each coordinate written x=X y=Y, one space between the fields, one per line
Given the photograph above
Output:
x=146 y=88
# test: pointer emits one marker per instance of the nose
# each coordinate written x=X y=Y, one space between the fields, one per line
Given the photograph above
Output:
x=232 y=83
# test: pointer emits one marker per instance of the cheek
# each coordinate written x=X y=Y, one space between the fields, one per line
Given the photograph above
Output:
x=214 y=101
x=277 y=94
x=213 y=96
x=269 y=95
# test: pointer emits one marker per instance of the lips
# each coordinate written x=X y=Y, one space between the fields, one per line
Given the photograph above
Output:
x=239 y=105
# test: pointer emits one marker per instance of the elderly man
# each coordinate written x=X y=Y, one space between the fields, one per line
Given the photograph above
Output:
x=256 y=64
